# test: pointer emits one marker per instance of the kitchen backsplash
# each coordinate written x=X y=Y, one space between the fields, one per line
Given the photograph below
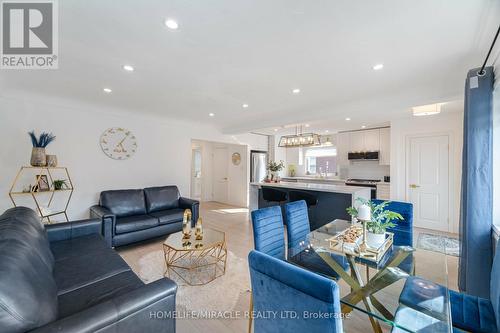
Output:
x=365 y=170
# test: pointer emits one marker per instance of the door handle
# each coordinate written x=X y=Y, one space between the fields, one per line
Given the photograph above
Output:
x=414 y=186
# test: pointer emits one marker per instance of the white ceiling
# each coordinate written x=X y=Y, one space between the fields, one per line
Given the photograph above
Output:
x=226 y=53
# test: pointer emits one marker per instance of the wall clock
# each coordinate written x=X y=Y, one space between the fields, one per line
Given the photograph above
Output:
x=118 y=143
x=236 y=158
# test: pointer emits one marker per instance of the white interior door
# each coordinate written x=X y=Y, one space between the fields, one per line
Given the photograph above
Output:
x=220 y=173
x=196 y=175
x=427 y=181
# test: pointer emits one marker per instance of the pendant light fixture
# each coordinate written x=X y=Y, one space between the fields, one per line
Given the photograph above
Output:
x=299 y=139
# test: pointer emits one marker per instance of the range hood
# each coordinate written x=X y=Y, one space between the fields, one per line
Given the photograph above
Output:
x=363 y=156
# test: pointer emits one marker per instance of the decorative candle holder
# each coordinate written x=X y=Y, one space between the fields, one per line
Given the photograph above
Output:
x=186 y=224
x=364 y=216
x=199 y=229
x=363 y=246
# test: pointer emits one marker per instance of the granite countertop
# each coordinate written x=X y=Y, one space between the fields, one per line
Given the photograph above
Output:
x=315 y=187
x=327 y=180
x=315 y=179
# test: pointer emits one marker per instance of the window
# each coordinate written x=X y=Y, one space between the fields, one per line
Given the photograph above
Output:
x=321 y=160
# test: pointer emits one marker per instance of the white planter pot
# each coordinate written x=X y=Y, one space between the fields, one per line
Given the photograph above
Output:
x=375 y=240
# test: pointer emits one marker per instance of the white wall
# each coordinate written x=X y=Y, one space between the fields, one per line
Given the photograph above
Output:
x=445 y=123
x=163 y=156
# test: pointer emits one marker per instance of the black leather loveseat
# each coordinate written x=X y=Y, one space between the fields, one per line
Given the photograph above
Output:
x=64 y=278
x=134 y=215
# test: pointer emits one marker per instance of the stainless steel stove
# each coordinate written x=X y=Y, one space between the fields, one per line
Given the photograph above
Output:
x=362 y=182
x=372 y=183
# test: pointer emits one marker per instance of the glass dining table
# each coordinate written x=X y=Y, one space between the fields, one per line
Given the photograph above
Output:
x=374 y=287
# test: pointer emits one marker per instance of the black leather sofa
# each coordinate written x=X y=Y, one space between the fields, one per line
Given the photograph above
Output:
x=134 y=215
x=64 y=278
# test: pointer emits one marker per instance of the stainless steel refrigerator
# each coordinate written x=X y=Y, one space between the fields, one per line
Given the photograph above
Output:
x=258 y=164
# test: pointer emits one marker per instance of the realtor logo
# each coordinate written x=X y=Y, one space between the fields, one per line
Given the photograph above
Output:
x=29 y=34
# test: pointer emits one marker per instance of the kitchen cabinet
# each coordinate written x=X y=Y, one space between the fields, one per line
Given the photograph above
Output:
x=384 y=191
x=385 y=146
x=343 y=146
x=368 y=140
x=357 y=141
x=372 y=140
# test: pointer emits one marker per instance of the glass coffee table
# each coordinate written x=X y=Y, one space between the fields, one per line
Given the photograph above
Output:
x=378 y=293
x=196 y=262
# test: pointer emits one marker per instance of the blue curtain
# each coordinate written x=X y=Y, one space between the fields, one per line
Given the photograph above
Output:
x=477 y=190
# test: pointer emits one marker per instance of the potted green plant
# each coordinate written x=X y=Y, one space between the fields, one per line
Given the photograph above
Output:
x=38 y=156
x=381 y=219
x=59 y=184
x=275 y=167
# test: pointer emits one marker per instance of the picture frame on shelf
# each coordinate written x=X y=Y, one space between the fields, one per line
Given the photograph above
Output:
x=43 y=183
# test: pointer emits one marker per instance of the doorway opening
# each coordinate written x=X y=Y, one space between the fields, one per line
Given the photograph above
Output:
x=196 y=173
x=219 y=172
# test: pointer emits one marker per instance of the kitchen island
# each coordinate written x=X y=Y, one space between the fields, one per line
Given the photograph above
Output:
x=332 y=200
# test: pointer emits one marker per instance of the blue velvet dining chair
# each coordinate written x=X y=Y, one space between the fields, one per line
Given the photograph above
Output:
x=403 y=231
x=294 y=299
x=297 y=229
x=268 y=231
x=268 y=238
x=469 y=313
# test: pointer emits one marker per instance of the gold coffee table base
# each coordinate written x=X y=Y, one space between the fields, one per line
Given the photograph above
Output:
x=196 y=262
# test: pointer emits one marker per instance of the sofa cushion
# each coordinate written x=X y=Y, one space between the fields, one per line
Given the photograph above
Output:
x=98 y=292
x=75 y=247
x=28 y=292
x=471 y=313
x=135 y=223
x=24 y=225
x=169 y=216
x=161 y=198
x=80 y=271
x=124 y=202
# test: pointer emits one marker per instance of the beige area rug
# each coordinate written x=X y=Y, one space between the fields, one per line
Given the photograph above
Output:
x=222 y=294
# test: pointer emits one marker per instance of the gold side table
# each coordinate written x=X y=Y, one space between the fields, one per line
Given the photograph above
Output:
x=196 y=262
x=42 y=192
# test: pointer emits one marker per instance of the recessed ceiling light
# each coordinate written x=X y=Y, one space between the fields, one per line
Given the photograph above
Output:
x=378 y=67
x=211 y=114
x=245 y=106
x=128 y=68
x=296 y=91
x=276 y=130
x=363 y=126
x=107 y=90
x=347 y=119
x=326 y=131
x=307 y=125
x=171 y=24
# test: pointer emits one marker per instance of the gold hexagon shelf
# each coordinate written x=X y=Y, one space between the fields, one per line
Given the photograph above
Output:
x=42 y=190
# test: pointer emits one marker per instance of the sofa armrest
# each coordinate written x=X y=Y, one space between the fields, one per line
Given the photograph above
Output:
x=68 y=230
x=108 y=222
x=150 y=308
x=194 y=205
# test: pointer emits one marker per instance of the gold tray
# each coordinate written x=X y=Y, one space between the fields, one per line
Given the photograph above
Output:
x=351 y=247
